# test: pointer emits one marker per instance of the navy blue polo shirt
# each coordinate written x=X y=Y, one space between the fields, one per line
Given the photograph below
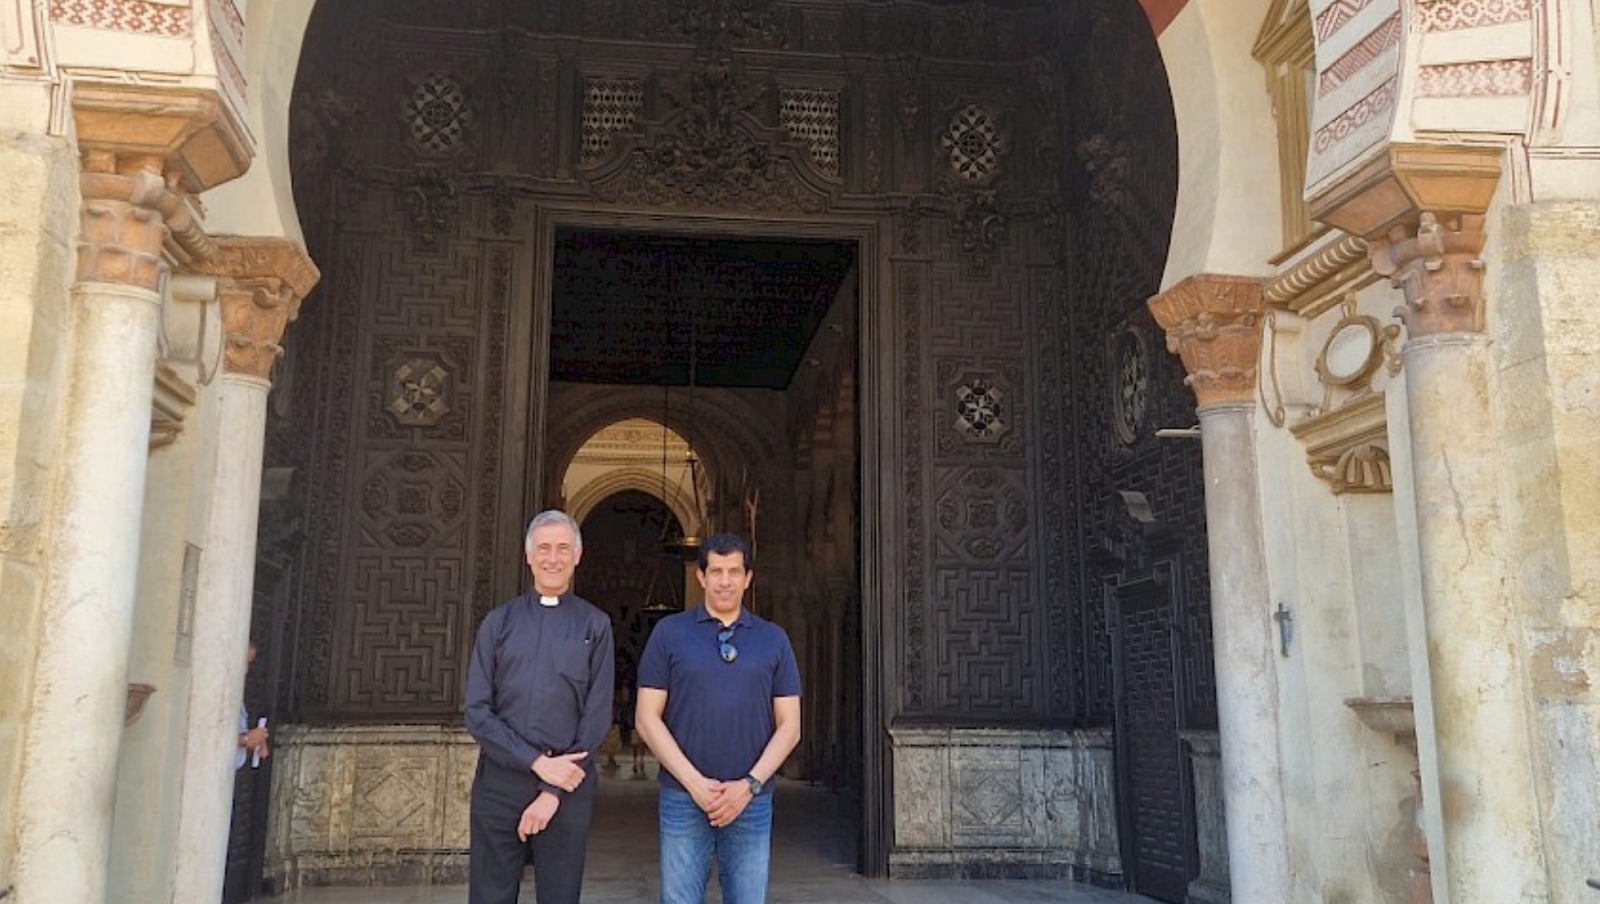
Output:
x=720 y=713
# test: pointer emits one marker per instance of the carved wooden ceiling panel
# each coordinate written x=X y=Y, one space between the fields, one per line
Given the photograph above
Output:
x=629 y=308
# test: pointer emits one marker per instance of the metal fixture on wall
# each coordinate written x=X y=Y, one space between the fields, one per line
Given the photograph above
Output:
x=687 y=547
x=654 y=601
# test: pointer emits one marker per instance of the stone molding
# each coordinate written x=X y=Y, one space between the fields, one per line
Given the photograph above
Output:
x=192 y=131
x=170 y=404
x=261 y=283
x=1437 y=265
x=1406 y=179
x=1317 y=276
x=1213 y=322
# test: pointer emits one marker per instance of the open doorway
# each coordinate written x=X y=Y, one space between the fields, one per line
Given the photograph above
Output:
x=699 y=384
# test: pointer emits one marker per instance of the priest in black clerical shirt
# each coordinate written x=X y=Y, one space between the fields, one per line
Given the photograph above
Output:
x=539 y=703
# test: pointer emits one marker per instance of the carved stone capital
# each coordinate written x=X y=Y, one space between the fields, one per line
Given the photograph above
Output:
x=133 y=211
x=1437 y=265
x=121 y=235
x=1214 y=324
x=261 y=282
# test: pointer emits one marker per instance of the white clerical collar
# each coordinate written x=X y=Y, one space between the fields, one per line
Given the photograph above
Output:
x=549 y=601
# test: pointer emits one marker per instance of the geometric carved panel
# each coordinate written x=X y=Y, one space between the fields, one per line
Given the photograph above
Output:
x=973 y=144
x=419 y=384
x=411 y=499
x=354 y=803
x=994 y=802
x=1129 y=399
x=423 y=470
x=984 y=627
x=980 y=411
x=811 y=117
x=610 y=105
x=982 y=514
x=420 y=392
x=981 y=408
x=436 y=114
x=395 y=800
x=1149 y=727
x=987 y=795
x=404 y=647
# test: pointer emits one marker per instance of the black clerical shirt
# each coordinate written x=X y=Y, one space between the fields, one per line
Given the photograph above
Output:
x=540 y=681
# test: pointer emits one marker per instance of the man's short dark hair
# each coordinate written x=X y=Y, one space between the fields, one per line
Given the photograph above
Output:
x=725 y=545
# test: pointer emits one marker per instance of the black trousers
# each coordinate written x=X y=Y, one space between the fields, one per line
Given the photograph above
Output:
x=499 y=795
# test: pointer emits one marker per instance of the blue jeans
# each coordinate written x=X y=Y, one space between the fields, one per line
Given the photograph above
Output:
x=743 y=851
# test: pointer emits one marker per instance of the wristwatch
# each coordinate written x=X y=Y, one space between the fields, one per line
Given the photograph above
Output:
x=754 y=783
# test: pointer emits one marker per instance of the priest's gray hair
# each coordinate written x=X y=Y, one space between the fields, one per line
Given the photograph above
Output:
x=549 y=517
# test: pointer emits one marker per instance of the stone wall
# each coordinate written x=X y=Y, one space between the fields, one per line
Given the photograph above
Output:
x=37 y=225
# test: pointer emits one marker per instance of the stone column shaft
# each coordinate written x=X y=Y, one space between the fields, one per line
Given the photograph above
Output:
x=91 y=554
x=1476 y=651
x=1214 y=324
x=263 y=281
x=224 y=585
x=1245 y=652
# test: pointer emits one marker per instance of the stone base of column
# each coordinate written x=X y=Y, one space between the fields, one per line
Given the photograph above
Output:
x=985 y=803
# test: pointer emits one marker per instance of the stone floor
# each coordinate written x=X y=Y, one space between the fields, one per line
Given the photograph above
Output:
x=813 y=862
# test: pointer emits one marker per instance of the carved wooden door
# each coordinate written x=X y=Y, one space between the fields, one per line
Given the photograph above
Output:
x=1159 y=843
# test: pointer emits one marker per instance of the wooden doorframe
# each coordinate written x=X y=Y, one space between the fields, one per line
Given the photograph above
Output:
x=878 y=436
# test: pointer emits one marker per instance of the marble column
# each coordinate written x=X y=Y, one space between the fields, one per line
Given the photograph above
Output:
x=260 y=286
x=1476 y=655
x=1214 y=324
x=131 y=217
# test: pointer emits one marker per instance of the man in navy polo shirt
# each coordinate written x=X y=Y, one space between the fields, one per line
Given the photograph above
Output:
x=719 y=705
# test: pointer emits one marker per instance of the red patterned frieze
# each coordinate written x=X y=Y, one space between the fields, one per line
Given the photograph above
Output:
x=229 y=10
x=1358 y=74
x=1336 y=15
x=137 y=16
x=225 y=59
x=1368 y=110
x=1451 y=15
x=1487 y=78
x=1385 y=37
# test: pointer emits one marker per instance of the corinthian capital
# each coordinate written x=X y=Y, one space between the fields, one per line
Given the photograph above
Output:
x=1214 y=324
x=260 y=284
x=1436 y=264
x=147 y=150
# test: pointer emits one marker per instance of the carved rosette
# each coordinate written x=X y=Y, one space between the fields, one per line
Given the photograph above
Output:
x=1214 y=324
x=1437 y=264
x=261 y=284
